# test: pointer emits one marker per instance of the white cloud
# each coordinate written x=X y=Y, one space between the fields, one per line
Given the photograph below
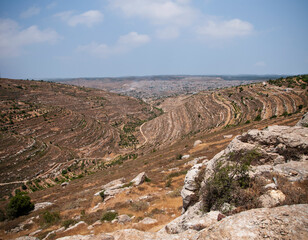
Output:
x=124 y=44
x=51 y=5
x=158 y=12
x=32 y=11
x=88 y=18
x=167 y=33
x=12 y=38
x=260 y=64
x=163 y=14
x=225 y=29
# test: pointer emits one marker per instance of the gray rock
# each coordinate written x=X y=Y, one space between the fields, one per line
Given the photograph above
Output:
x=304 y=121
x=148 y=221
x=139 y=179
x=271 y=198
x=101 y=236
x=193 y=218
x=42 y=205
x=185 y=156
x=124 y=218
x=197 y=142
x=26 y=238
x=191 y=185
x=286 y=222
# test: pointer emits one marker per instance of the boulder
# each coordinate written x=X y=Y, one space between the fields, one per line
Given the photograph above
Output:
x=185 y=156
x=271 y=198
x=191 y=185
x=112 y=188
x=193 y=218
x=101 y=236
x=26 y=238
x=139 y=179
x=148 y=221
x=304 y=121
x=286 y=222
x=197 y=142
x=134 y=234
x=64 y=184
x=42 y=205
x=123 y=218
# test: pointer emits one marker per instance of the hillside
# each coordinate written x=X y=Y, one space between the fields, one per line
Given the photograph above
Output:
x=46 y=127
x=162 y=143
x=213 y=110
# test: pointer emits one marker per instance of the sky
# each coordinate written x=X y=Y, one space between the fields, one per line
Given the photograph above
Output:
x=112 y=38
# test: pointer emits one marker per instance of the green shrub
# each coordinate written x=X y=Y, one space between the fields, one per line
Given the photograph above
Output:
x=19 y=205
x=67 y=223
x=258 y=118
x=102 y=194
x=168 y=182
x=50 y=217
x=146 y=179
x=228 y=181
x=2 y=216
x=109 y=216
x=127 y=185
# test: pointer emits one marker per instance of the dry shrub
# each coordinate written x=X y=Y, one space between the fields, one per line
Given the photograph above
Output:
x=157 y=211
x=139 y=206
x=295 y=192
x=175 y=193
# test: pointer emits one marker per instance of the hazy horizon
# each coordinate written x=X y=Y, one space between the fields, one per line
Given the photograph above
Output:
x=118 y=38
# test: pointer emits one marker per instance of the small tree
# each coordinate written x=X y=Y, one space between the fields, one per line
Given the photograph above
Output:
x=19 y=205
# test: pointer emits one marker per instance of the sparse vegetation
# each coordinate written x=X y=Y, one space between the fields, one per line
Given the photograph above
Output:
x=50 y=218
x=230 y=183
x=109 y=216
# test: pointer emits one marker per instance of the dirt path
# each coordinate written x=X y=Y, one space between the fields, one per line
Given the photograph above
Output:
x=145 y=138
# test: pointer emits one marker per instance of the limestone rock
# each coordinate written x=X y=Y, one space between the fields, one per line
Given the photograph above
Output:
x=133 y=234
x=197 y=142
x=101 y=236
x=193 y=218
x=112 y=188
x=304 y=121
x=185 y=156
x=123 y=218
x=272 y=198
x=148 y=221
x=139 y=179
x=26 y=238
x=286 y=222
x=191 y=185
x=42 y=205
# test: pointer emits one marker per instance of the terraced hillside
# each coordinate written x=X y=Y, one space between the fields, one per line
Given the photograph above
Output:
x=47 y=126
x=224 y=108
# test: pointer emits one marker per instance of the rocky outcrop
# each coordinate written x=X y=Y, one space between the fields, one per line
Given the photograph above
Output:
x=191 y=185
x=112 y=188
x=148 y=221
x=304 y=121
x=102 y=236
x=139 y=179
x=286 y=222
x=42 y=205
x=193 y=218
x=280 y=150
x=123 y=219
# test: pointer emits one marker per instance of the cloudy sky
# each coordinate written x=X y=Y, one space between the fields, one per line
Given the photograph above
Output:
x=97 y=38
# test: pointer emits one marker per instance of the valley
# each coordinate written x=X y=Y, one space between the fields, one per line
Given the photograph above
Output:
x=53 y=134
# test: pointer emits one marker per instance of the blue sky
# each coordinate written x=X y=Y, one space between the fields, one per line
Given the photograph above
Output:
x=101 y=38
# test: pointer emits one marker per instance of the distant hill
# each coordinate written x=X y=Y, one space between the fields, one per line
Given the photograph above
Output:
x=155 y=87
